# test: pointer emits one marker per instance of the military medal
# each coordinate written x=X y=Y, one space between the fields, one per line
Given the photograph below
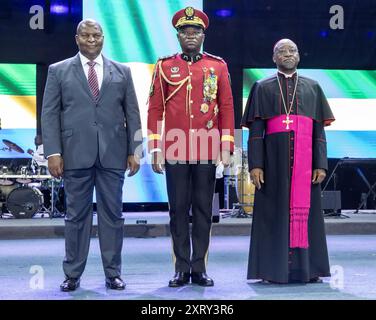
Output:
x=216 y=110
x=210 y=124
x=210 y=85
x=204 y=108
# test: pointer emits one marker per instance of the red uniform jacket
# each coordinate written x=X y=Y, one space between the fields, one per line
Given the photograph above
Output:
x=191 y=99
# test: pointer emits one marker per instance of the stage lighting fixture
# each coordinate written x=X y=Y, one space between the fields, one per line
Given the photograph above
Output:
x=224 y=13
x=59 y=7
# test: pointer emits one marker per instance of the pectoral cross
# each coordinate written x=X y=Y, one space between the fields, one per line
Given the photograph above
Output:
x=287 y=122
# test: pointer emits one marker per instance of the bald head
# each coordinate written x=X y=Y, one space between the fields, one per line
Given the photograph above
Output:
x=283 y=42
x=286 y=56
x=88 y=23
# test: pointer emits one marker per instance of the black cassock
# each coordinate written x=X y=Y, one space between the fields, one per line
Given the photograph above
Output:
x=270 y=257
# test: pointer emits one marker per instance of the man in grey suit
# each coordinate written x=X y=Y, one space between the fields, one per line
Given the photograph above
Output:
x=90 y=124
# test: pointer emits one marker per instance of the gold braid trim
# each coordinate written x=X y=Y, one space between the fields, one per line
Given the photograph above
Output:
x=172 y=83
x=195 y=21
x=160 y=81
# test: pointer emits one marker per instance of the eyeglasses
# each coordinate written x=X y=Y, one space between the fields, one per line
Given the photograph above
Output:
x=86 y=36
x=286 y=51
x=196 y=34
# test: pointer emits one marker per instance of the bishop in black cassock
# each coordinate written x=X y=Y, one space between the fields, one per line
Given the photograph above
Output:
x=287 y=157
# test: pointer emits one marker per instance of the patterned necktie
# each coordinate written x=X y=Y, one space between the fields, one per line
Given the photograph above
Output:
x=93 y=80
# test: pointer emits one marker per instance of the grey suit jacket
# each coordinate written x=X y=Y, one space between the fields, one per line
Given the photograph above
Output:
x=80 y=128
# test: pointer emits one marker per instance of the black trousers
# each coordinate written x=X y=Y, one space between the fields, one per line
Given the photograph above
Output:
x=190 y=185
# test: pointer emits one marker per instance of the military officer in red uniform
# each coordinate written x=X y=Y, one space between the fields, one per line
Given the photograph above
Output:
x=190 y=97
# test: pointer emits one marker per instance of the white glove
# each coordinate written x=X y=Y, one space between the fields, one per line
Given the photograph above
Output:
x=219 y=170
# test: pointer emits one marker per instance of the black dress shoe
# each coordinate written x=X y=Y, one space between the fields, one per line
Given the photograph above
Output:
x=115 y=283
x=272 y=282
x=202 y=279
x=180 y=279
x=316 y=280
x=70 y=284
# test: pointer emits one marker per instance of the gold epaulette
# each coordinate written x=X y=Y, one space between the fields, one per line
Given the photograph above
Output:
x=213 y=56
x=167 y=57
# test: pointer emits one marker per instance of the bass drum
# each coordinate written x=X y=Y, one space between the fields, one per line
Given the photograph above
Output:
x=24 y=202
x=6 y=186
x=245 y=190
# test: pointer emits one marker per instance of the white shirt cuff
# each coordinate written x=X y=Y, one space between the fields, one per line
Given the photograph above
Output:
x=155 y=150
x=54 y=154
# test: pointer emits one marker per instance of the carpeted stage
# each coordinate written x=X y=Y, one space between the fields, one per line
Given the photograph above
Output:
x=33 y=248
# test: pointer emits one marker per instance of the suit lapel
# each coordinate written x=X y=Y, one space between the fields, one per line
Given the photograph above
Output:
x=107 y=76
x=80 y=74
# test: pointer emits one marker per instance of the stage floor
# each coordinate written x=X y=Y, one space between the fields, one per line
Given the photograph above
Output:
x=147 y=267
x=156 y=224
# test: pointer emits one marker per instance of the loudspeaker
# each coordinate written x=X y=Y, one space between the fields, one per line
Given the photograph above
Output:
x=331 y=200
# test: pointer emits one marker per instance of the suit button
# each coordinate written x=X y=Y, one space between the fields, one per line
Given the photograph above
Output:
x=192 y=116
x=95 y=123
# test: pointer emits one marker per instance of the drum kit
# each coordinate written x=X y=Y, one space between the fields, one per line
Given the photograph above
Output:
x=28 y=190
x=238 y=176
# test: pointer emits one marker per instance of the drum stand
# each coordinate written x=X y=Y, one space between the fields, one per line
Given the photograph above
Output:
x=229 y=180
x=240 y=212
x=53 y=211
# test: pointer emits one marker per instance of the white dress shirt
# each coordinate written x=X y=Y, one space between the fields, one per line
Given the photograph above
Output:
x=98 y=67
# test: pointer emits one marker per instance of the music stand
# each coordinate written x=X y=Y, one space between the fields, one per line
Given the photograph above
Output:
x=363 y=201
x=356 y=162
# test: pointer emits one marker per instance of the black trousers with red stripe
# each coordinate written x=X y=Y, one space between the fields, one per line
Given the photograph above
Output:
x=190 y=186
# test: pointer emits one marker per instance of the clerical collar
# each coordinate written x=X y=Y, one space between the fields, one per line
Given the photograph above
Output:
x=195 y=58
x=293 y=75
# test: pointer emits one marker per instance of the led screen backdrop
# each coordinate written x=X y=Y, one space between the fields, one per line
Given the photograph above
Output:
x=352 y=97
x=17 y=109
x=137 y=33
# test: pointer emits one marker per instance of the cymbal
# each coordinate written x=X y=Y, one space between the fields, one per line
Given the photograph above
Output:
x=12 y=146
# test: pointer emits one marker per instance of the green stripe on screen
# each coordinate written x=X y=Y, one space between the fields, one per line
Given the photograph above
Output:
x=357 y=84
x=18 y=79
x=354 y=84
x=137 y=30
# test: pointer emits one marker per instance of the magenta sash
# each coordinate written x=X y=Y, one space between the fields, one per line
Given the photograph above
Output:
x=301 y=179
